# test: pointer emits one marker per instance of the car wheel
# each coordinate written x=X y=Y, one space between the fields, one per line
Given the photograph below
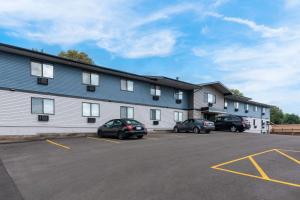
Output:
x=233 y=129
x=196 y=130
x=121 y=136
x=176 y=130
x=140 y=136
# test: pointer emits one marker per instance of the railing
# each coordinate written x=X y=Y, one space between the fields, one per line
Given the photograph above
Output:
x=286 y=129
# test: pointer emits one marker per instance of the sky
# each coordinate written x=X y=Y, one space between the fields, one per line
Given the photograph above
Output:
x=253 y=46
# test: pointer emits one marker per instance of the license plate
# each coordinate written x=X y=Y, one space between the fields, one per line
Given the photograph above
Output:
x=138 y=128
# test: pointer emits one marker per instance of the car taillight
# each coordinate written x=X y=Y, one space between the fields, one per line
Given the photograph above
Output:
x=129 y=127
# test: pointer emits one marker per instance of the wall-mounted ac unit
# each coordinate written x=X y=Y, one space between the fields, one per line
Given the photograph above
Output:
x=155 y=98
x=155 y=122
x=91 y=120
x=178 y=101
x=42 y=81
x=43 y=118
x=91 y=88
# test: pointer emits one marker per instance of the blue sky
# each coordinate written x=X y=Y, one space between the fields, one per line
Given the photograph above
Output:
x=253 y=46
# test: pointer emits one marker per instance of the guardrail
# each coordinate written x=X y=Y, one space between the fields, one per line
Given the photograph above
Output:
x=286 y=129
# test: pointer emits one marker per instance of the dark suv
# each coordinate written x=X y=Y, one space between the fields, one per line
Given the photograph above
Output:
x=232 y=123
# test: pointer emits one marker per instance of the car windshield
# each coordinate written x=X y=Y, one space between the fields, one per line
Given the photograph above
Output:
x=132 y=122
x=198 y=121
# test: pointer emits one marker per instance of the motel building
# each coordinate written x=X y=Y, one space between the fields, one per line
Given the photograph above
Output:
x=42 y=93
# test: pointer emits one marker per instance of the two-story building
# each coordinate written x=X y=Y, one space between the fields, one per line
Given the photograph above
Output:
x=42 y=93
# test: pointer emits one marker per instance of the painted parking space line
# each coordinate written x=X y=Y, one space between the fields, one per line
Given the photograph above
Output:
x=263 y=175
x=290 y=150
x=102 y=139
x=288 y=156
x=57 y=144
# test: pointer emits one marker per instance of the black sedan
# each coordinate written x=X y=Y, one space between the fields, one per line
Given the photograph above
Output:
x=122 y=129
x=194 y=125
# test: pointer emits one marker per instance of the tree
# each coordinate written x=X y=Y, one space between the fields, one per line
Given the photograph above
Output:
x=291 y=119
x=76 y=56
x=276 y=115
x=236 y=92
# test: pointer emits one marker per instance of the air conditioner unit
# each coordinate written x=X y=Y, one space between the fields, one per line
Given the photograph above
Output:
x=236 y=109
x=155 y=98
x=210 y=104
x=178 y=101
x=42 y=81
x=91 y=120
x=90 y=88
x=155 y=122
x=246 y=111
x=43 y=118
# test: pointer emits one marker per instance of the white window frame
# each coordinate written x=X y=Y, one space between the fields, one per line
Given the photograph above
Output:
x=178 y=94
x=127 y=84
x=42 y=70
x=225 y=104
x=263 y=110
x=43 y=106
x=255 y=108
x=157 y=115
x=247 y=107
x=178 y=116
x=155 y=90
x=90 y=75
x=236 y=105
x=126 y=112
x=91 y=106
x=210 y=98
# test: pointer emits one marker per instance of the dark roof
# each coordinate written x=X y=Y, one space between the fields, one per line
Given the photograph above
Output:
x=56 y=59
x=217 y=85
x=246 y=100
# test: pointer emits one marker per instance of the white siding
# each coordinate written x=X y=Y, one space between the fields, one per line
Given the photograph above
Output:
x=16 y=117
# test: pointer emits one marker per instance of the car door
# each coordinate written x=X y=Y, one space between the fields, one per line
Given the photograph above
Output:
x=190 y=125
x=116 y=127
x=227 y=123
x=182 y=126
x=106 y=128
x=219 y=123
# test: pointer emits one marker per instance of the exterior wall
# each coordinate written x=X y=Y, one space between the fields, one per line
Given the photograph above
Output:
x=16 y=117
x=15 y=72
x=199 y=98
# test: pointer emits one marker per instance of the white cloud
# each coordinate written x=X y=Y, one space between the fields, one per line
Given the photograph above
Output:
x=264 y=30
x=292 y=3
x=200 y=52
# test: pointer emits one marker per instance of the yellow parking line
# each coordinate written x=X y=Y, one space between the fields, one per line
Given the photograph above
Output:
x=231 y=161
x=259 y=169
x=57 y=144
x=102 y=139
x=288 y=156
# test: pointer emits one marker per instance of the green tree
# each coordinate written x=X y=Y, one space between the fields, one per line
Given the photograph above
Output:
x=76 y=56
x=236 y=92
x=276 y=115
x=291 y=119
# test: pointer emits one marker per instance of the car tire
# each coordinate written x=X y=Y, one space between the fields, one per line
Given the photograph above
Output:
x=196 y=130
x=121 y=136
x=233 y=129
x=176 y=130
x=140 y=136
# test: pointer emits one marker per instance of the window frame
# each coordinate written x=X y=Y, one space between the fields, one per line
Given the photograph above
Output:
x=246 y=107
x=90 y=78
x=90 y=104
x=155 y=114
x=155 y=90
x=178 y=112
x=206 y=99
x=126 y=85
x=42 y=69
x=177 y=94
x=43 y=108
x=126 y=112
x=236 y=103
x=225 y=104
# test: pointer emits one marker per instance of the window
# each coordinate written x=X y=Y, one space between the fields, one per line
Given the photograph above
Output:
x=90 y=110
x=126 y=85
x=236 y=105
x=225 y=104
x=41 y=70
x=178 y=95
x=263 y=110
x=42 y=106
x=154 y=114
x=126 y=112
x=209 y=98
x=155 y=90
x=255 y=108
x=89 y=78
x=246 y=107
x=178 y=116
x=254 y=125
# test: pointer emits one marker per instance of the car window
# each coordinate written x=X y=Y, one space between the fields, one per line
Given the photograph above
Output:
x=227 y=119
x=219 y=119
x=132 y=122
x=117 y=122
x=186 y=122
x=109 y=124
x=198 y=121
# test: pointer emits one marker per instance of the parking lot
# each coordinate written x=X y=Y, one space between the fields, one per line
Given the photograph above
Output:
x=160 y=166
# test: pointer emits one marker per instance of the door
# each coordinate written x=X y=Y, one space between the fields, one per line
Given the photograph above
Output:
x=106 y=129
x=190 y=125
x=117 y=125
